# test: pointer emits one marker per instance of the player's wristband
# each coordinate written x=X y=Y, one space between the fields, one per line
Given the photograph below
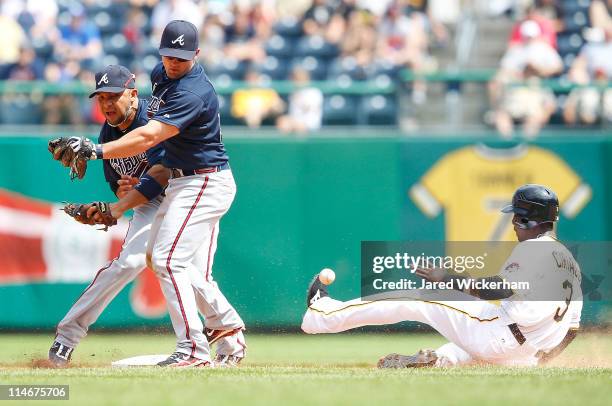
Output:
x=149 y=187
x=98 y=154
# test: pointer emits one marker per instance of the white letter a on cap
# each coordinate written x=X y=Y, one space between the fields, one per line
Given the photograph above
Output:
x=180 y=40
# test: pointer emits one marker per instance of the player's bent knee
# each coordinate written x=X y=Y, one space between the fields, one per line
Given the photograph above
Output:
x=132 y=262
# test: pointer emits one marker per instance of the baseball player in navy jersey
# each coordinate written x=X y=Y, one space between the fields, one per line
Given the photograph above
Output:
x=184 y=118
x=525 y=329
x=118 y=100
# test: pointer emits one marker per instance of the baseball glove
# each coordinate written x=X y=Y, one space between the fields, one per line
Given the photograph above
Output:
x=73 y=152
x=83 y=213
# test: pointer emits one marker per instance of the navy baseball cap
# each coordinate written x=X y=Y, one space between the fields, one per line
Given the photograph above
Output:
x=114 y=79
x=179 y=39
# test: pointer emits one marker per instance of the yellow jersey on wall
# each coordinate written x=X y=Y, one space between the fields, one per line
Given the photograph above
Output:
x=472 y=184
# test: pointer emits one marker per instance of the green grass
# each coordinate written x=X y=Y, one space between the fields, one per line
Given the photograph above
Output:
x=299 y=369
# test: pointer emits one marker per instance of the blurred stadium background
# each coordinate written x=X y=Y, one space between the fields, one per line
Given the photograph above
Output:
x=345 y=120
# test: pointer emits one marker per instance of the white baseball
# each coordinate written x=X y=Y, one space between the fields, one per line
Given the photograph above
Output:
x=327 y=276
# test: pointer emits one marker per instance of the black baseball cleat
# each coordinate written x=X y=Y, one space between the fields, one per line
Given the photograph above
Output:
x=60 y=354
x=316 y=291
x=215 y=335
x=227 y=361
x=180 y=360
x=422 y=359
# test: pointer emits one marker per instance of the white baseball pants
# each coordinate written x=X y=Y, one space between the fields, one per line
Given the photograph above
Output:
x=111 y=279
x=182 y=246
x=477 y=330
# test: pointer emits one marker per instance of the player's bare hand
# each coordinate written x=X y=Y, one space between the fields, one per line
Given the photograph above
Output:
x=431 y=274
x=126 y=183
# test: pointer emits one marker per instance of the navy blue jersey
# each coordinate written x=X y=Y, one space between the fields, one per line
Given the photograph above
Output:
x=133 y=166
x=191 y=105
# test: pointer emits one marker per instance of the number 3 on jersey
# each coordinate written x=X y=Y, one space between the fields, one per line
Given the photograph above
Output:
x=566 y=285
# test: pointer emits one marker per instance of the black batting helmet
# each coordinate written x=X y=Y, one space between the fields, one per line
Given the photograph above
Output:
x=534 y=204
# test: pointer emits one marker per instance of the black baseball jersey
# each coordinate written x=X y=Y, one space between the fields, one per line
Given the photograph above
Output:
x=190 y=104
x=133 y=166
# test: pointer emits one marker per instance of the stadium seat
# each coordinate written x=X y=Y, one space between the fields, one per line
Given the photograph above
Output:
x=272 y=67
x=571 y=6
x=117 y=9
x=383 y=68
x=230 y=67
x=317 y=68
x=568 y=59
x=107 y=23
x=225 y=111
x=108 y=60
x=576 y=22
x=288 y=27
x=149 y=62
x=279 y=47
x=378 y=110
x=339 y=110
x=20 y=110
x=43 y=49
x=571 y=43
x=346 y=66
x=117 y=45
x=316 y=46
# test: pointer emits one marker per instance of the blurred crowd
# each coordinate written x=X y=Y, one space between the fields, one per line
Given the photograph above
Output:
x=242 y=40
x=342 y=42
x=569 y=40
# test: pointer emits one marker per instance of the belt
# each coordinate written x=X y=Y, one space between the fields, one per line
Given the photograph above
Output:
x=179 y=173
x=520 y=338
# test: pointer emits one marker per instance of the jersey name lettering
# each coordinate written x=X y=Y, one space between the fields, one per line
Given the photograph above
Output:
x=565 y=262
x=132 y=166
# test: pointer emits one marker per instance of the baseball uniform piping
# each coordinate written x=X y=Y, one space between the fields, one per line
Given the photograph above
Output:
x=109 y=265
x=103 y=269
x=212 y=236
x=416 y=300
x=178 y=295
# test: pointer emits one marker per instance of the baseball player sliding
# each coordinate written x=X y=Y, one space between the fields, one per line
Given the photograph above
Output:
x=519 y=331
x=184 y=119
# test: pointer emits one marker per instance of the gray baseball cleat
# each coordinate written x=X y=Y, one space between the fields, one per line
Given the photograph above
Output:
x=316 y=291
x=60 y=354
x=180 y=360
x=422 y=359
x=227 y=361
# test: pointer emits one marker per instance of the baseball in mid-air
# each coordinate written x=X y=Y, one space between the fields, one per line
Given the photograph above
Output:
x=327 y=276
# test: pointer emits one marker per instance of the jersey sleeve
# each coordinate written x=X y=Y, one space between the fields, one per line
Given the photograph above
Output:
x=155 y=154
x=433 y=190
x=180 y=110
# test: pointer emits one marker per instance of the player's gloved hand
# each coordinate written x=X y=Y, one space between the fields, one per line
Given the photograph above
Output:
x=92 y=213
x=73 y=152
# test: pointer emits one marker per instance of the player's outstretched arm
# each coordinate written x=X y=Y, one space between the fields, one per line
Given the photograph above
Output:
x=76 y=151
x=136 y=141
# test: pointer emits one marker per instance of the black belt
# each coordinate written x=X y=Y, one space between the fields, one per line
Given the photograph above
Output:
x=179 y=173
x=520 y=338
